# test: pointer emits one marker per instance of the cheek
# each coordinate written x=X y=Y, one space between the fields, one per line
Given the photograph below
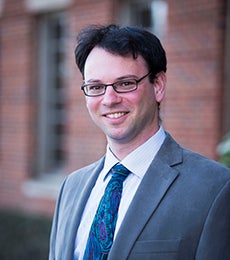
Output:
x=92 y=106
x=89 y=103
x=146 y=97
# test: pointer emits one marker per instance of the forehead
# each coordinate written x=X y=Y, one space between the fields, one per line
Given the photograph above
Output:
x=101 y=63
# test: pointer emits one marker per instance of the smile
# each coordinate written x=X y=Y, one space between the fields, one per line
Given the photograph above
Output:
x=116 y=115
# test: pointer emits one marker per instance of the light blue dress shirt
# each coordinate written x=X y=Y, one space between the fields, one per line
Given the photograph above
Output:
x=137 y=162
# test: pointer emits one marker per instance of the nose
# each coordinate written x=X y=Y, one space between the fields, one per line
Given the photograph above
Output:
x=111 y=97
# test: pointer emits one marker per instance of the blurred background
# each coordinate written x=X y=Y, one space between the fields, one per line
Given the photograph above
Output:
x=45 y=130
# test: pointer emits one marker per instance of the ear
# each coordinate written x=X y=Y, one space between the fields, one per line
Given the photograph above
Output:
x=160 y=86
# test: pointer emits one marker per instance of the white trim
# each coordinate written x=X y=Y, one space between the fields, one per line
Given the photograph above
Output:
x=44 y=5
x=159 y=10
x=46 y=186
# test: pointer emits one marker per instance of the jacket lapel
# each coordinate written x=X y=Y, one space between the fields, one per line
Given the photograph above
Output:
x=155 y=184
x=78 y=204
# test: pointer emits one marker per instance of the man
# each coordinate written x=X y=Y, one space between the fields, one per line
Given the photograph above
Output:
x=173 y=204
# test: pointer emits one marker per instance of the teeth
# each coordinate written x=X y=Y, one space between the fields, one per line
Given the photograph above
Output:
x=116 y=115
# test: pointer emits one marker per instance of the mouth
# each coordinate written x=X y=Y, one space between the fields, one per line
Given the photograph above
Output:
x=115 y=115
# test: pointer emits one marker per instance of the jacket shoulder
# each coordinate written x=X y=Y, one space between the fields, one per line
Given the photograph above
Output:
x=190 y=161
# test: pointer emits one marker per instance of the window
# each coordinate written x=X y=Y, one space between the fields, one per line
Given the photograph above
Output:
x=51 y=101
x=141 y=14
x=151 y=14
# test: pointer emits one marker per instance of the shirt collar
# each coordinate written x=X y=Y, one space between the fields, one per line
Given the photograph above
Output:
x=140 y=159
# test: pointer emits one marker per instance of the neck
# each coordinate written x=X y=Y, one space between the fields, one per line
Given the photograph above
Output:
x=122 y=149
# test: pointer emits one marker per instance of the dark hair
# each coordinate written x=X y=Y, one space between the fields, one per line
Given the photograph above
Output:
x=123 y=41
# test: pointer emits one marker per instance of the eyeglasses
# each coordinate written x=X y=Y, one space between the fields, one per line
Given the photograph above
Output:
x=122 y=86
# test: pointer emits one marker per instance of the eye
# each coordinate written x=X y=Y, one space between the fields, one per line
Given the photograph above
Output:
x=95 y=87
x=126 y=83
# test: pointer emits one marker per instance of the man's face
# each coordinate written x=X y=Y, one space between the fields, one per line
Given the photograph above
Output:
x=123 y=117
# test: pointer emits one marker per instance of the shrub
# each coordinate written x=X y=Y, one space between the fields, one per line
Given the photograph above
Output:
x=223 y=150
x=23 y=236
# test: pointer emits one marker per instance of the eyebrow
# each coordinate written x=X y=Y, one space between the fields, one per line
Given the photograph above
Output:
x=128 y=76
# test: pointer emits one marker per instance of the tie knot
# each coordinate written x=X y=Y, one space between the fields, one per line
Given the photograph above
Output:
x=120 y=171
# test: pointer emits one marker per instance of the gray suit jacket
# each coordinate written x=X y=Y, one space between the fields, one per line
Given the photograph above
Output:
x=181 y=210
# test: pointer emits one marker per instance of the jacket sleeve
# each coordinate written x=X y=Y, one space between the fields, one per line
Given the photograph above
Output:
x=53 y=234
x=215 y=237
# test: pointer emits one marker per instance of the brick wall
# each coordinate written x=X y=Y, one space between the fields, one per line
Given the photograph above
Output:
x=83 y=143
x=15 y=101
x=195 y=43
x=191 y=111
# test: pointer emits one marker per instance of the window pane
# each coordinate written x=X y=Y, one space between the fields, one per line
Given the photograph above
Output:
x=51 y=116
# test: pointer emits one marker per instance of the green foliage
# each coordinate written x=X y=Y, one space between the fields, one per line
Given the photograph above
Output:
x=225 y=159
x=223 y=150
x=23 y=236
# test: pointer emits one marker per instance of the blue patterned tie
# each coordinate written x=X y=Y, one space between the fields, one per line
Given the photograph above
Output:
x=102 y=230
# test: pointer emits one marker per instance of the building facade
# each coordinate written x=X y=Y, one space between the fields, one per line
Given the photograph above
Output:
x=45 y=130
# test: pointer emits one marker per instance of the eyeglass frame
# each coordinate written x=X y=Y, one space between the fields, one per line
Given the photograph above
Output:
x=114 y=86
